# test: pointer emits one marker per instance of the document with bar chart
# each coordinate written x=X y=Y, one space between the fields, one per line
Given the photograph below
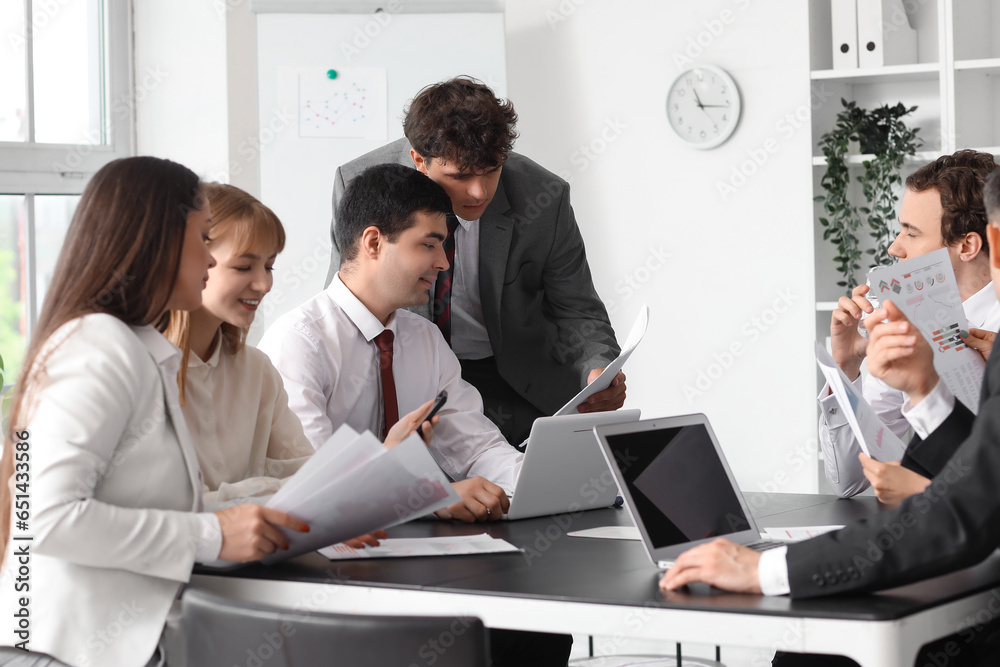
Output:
x=924 y=288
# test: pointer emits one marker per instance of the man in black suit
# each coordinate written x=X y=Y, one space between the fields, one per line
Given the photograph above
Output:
x=954 y=523
x=517 y=303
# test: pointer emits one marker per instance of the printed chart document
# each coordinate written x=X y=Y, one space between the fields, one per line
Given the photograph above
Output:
x=925 y=289
x=459 y=545
x=603 y=380
x=874 y=437
x=797 y=533
x=353 y=485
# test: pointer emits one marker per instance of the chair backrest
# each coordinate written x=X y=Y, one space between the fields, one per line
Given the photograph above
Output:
x=220 y=631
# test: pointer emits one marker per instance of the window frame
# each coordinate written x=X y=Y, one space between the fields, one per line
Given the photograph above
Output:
x=31 y=168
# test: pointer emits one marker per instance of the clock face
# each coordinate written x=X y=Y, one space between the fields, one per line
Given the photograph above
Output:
x=703 y=106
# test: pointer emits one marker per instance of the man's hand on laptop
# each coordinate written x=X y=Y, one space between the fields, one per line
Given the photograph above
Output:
x=607 y=400
x=721 y=563
x=846 y=343
x=892 y=482
x=898 y=354
x=482 y=500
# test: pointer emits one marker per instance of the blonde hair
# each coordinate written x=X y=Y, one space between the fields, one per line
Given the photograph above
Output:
x=251 y=225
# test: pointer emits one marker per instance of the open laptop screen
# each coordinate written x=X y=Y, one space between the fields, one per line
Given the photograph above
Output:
x=678 y=484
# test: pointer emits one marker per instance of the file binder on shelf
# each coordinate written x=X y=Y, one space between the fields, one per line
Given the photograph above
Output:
x=844 y=27
x=885 y=36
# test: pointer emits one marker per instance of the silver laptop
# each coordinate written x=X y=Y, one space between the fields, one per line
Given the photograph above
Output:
x=563 y=468
x=677 y=485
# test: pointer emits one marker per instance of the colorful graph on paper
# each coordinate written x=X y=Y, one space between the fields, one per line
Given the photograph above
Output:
x=353 y=104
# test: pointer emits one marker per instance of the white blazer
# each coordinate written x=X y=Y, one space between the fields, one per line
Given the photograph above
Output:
x=112 y=480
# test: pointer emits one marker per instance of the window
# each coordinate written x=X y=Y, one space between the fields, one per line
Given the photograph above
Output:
x=65 y=110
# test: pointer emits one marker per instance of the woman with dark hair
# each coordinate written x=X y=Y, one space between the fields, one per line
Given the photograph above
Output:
x=100 y=491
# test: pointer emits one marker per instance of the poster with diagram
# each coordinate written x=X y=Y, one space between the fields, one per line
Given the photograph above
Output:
x=343 y=103
x=925 y=289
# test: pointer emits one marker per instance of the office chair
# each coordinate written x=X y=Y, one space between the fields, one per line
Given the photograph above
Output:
x=221 y=631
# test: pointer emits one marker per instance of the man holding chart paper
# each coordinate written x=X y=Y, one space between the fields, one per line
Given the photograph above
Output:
x=941 y=208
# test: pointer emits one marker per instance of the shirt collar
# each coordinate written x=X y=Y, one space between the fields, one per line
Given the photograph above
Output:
x=164 y=352
x=194 y=361
x=466 y=223
x=357 y=312
x=980 y=306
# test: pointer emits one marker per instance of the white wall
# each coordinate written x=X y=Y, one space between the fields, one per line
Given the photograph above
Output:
x=596 y=74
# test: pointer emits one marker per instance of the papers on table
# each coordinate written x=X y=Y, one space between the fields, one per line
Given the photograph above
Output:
x=925 y=289
x=609 y=533
x=874 y=437
x=459 y=545
x=797 y=533
x=603 y=380
x=353 y=485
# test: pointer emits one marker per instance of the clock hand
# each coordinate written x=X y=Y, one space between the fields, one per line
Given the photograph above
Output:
x=720 y=106
x=697 y=98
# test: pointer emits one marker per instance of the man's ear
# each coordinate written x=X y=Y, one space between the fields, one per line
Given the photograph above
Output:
x=371 y=242
x=970 y=246
x=419 y=162
x=993 y=238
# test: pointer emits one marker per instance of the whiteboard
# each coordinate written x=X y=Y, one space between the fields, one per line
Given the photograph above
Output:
x=296 y=173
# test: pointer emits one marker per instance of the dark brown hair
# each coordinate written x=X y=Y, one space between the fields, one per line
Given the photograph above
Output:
x=463 y=122
x=253 y=227
x=121 y=256
x=991 y=196
x=959 y=180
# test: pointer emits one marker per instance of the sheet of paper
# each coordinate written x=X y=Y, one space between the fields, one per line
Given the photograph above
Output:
x=351 y=104
x=401 y=484
x=423 y=546
x=797 y=533
x=925 y=289
x=874 y=437
x=609 y=533
x=603 y=381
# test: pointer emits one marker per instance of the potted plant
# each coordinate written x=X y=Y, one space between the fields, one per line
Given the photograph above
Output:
x=882 y=134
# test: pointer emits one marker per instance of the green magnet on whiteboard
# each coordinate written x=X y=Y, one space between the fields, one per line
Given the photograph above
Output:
x=331 y=74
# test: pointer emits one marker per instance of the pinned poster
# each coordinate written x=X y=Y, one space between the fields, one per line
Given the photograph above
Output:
x=349 y=103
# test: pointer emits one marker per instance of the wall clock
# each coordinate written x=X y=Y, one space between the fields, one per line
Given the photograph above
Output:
x=703 y=106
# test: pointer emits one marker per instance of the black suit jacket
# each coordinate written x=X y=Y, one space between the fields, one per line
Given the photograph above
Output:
x=547 y=326
x=955 y=523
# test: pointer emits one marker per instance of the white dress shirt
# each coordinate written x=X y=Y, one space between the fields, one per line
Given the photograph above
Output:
x=248 y=440
x=841 y=448
x=469 y=338
x=326 y=354
x=113 y=480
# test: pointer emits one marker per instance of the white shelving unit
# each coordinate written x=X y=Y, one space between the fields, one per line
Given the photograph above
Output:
x=955 y=84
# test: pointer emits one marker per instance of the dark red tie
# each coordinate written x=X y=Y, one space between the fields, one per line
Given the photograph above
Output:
x=390 y=408
x=441 y=314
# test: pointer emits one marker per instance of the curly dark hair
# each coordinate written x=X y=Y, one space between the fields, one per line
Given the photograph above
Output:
x=463 y=122
x=959 y=179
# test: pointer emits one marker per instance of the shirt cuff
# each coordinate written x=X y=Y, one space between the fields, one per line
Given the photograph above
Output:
x=926 y=416
x=829 y=409
x=772 y=571
x=209 y=539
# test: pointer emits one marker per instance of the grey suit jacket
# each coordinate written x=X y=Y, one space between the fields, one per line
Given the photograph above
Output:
x=547 y=325
x=955 y=523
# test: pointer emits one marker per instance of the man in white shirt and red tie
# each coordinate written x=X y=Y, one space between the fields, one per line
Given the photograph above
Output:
x=352 y=355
